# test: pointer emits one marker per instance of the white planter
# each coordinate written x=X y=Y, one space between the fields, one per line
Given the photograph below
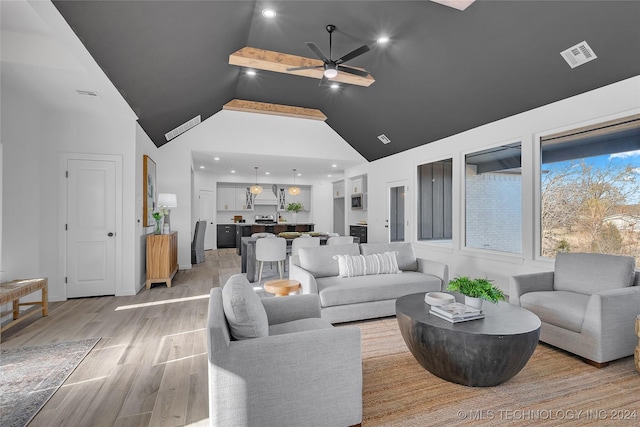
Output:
x=473 y=302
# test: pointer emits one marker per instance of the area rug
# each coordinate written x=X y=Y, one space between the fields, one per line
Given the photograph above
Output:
x=29 y=376
x=555 y=387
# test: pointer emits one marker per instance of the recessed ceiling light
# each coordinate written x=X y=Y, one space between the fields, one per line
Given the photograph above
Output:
x=334 y=166
x=329 y=176
x=216 y=158
x=267 y=173
x=201 y=167
x=383 y=40
x=251 y=73
x=299 y=174
x=233 y=171
x=269 y=13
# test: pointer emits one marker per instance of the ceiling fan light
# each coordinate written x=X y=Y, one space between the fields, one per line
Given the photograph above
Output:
x=330 y=73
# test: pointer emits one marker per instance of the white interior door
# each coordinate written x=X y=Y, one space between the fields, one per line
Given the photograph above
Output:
x=91 y=225
x=206 y=214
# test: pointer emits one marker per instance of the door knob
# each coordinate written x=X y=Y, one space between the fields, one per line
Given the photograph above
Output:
x=110 y=234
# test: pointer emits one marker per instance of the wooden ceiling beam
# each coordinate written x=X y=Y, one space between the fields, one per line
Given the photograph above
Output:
x=274 y=109
x=260 y=59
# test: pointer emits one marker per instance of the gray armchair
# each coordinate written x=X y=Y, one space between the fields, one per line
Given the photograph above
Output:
x=297 y=370
x=587 y=305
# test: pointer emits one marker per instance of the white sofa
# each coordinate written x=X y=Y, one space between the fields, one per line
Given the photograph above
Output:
x=346 y=299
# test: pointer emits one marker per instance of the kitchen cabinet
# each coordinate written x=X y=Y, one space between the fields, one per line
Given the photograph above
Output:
x=359 y=231
x=226 y=198
x=162 y=258
x=226 y=236
x=234 y=198
x=338 y=190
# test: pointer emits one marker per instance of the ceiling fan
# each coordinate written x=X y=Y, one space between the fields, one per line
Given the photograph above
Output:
x=332 y=66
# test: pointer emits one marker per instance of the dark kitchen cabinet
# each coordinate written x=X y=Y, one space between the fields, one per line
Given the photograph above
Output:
x=226 y=236
x=358 y=231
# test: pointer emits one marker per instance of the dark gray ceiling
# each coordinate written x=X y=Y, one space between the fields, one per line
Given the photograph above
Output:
x=445 y=71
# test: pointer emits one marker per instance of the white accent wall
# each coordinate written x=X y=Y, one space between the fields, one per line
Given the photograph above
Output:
x=615 y=100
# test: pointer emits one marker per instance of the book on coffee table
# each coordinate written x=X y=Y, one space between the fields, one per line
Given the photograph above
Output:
x=456 y=311
x=457 y=319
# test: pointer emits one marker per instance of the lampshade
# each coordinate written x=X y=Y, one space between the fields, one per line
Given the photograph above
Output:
x=167 y=200
x=256 y=189
x=294 y=191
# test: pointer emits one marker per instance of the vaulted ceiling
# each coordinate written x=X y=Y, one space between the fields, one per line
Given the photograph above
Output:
x=444 y=71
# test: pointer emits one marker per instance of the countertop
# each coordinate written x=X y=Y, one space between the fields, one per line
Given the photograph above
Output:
x=260 y=223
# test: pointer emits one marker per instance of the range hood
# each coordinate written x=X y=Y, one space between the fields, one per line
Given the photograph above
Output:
x=267 y=197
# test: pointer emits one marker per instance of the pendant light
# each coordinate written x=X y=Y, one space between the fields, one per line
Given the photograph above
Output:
x=294 y=191
x=256 y=189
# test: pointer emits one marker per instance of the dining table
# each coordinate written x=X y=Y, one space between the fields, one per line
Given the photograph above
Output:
x=249 y=263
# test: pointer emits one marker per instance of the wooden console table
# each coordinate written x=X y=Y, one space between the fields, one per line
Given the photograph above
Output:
x=162 y=258
x=16 y=289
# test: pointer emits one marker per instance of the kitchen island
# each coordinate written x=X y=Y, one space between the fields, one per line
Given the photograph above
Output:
x=245 y=229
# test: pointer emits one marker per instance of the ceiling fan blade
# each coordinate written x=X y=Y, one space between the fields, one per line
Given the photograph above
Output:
x=324 y=81
x=311 y=67
x=318 y=52
x=357 y=52
x=361 y=73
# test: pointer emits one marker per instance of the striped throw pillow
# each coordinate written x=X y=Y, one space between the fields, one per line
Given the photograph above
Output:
x=361 y=265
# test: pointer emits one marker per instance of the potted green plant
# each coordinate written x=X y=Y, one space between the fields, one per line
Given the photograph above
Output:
x=476 y=290
x=294 y=207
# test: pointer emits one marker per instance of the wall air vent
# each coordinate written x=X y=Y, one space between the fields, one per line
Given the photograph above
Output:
x=578 y=54
x=182 y=128
x=384 y=138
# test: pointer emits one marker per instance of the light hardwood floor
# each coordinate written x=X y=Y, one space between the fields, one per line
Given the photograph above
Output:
x=149 y=368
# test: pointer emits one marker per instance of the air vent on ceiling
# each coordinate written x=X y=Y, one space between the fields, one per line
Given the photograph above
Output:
x=182 y=128
x=578 y=54
x=384 y=138
x=86 y=92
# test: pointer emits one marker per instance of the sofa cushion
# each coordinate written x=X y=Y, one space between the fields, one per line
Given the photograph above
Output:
x=361 y=265
x=353 y=290
x=591 y=273
x=245 y=313
x=560 y=308
x=406 y=255
x=319 y=261
x=299 y=325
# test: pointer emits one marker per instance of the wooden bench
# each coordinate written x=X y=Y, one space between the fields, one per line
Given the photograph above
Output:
x=16 y=289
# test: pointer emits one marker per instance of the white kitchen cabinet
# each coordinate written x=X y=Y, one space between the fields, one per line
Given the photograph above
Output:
x=338 y=190
x=356 y=186
x=244 y=199
x=226 y=198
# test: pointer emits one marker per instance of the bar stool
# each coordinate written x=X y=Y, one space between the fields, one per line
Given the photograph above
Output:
x=271 y=249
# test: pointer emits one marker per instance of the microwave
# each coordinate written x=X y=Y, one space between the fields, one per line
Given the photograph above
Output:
x=358 y=201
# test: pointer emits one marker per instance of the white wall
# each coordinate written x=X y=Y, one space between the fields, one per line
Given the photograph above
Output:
x=143 y=146
x=256 y=134
x=616 y=100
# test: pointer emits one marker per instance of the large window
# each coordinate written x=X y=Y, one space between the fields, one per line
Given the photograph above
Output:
x=434 y=201
x=493 y=194
x=590 y=190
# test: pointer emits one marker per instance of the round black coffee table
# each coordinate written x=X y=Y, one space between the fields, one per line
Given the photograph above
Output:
x=478 y=353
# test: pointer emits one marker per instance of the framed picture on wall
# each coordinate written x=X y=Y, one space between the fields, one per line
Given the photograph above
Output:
x=150 y=191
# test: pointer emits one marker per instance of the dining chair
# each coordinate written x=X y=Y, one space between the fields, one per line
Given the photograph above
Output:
x=271 y=249
x=339 y=240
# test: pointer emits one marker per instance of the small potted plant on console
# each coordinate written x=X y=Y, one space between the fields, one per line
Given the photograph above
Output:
x=476 y=290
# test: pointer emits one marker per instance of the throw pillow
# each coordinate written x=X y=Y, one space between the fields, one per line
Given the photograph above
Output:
x=361 y=265
x=245 y=313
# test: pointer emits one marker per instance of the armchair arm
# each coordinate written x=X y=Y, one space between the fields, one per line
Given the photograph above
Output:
x=609 y=320
x=435 y=268
x=532 y=282
x=287 y=309
x=306 y=279
x=322 y=368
